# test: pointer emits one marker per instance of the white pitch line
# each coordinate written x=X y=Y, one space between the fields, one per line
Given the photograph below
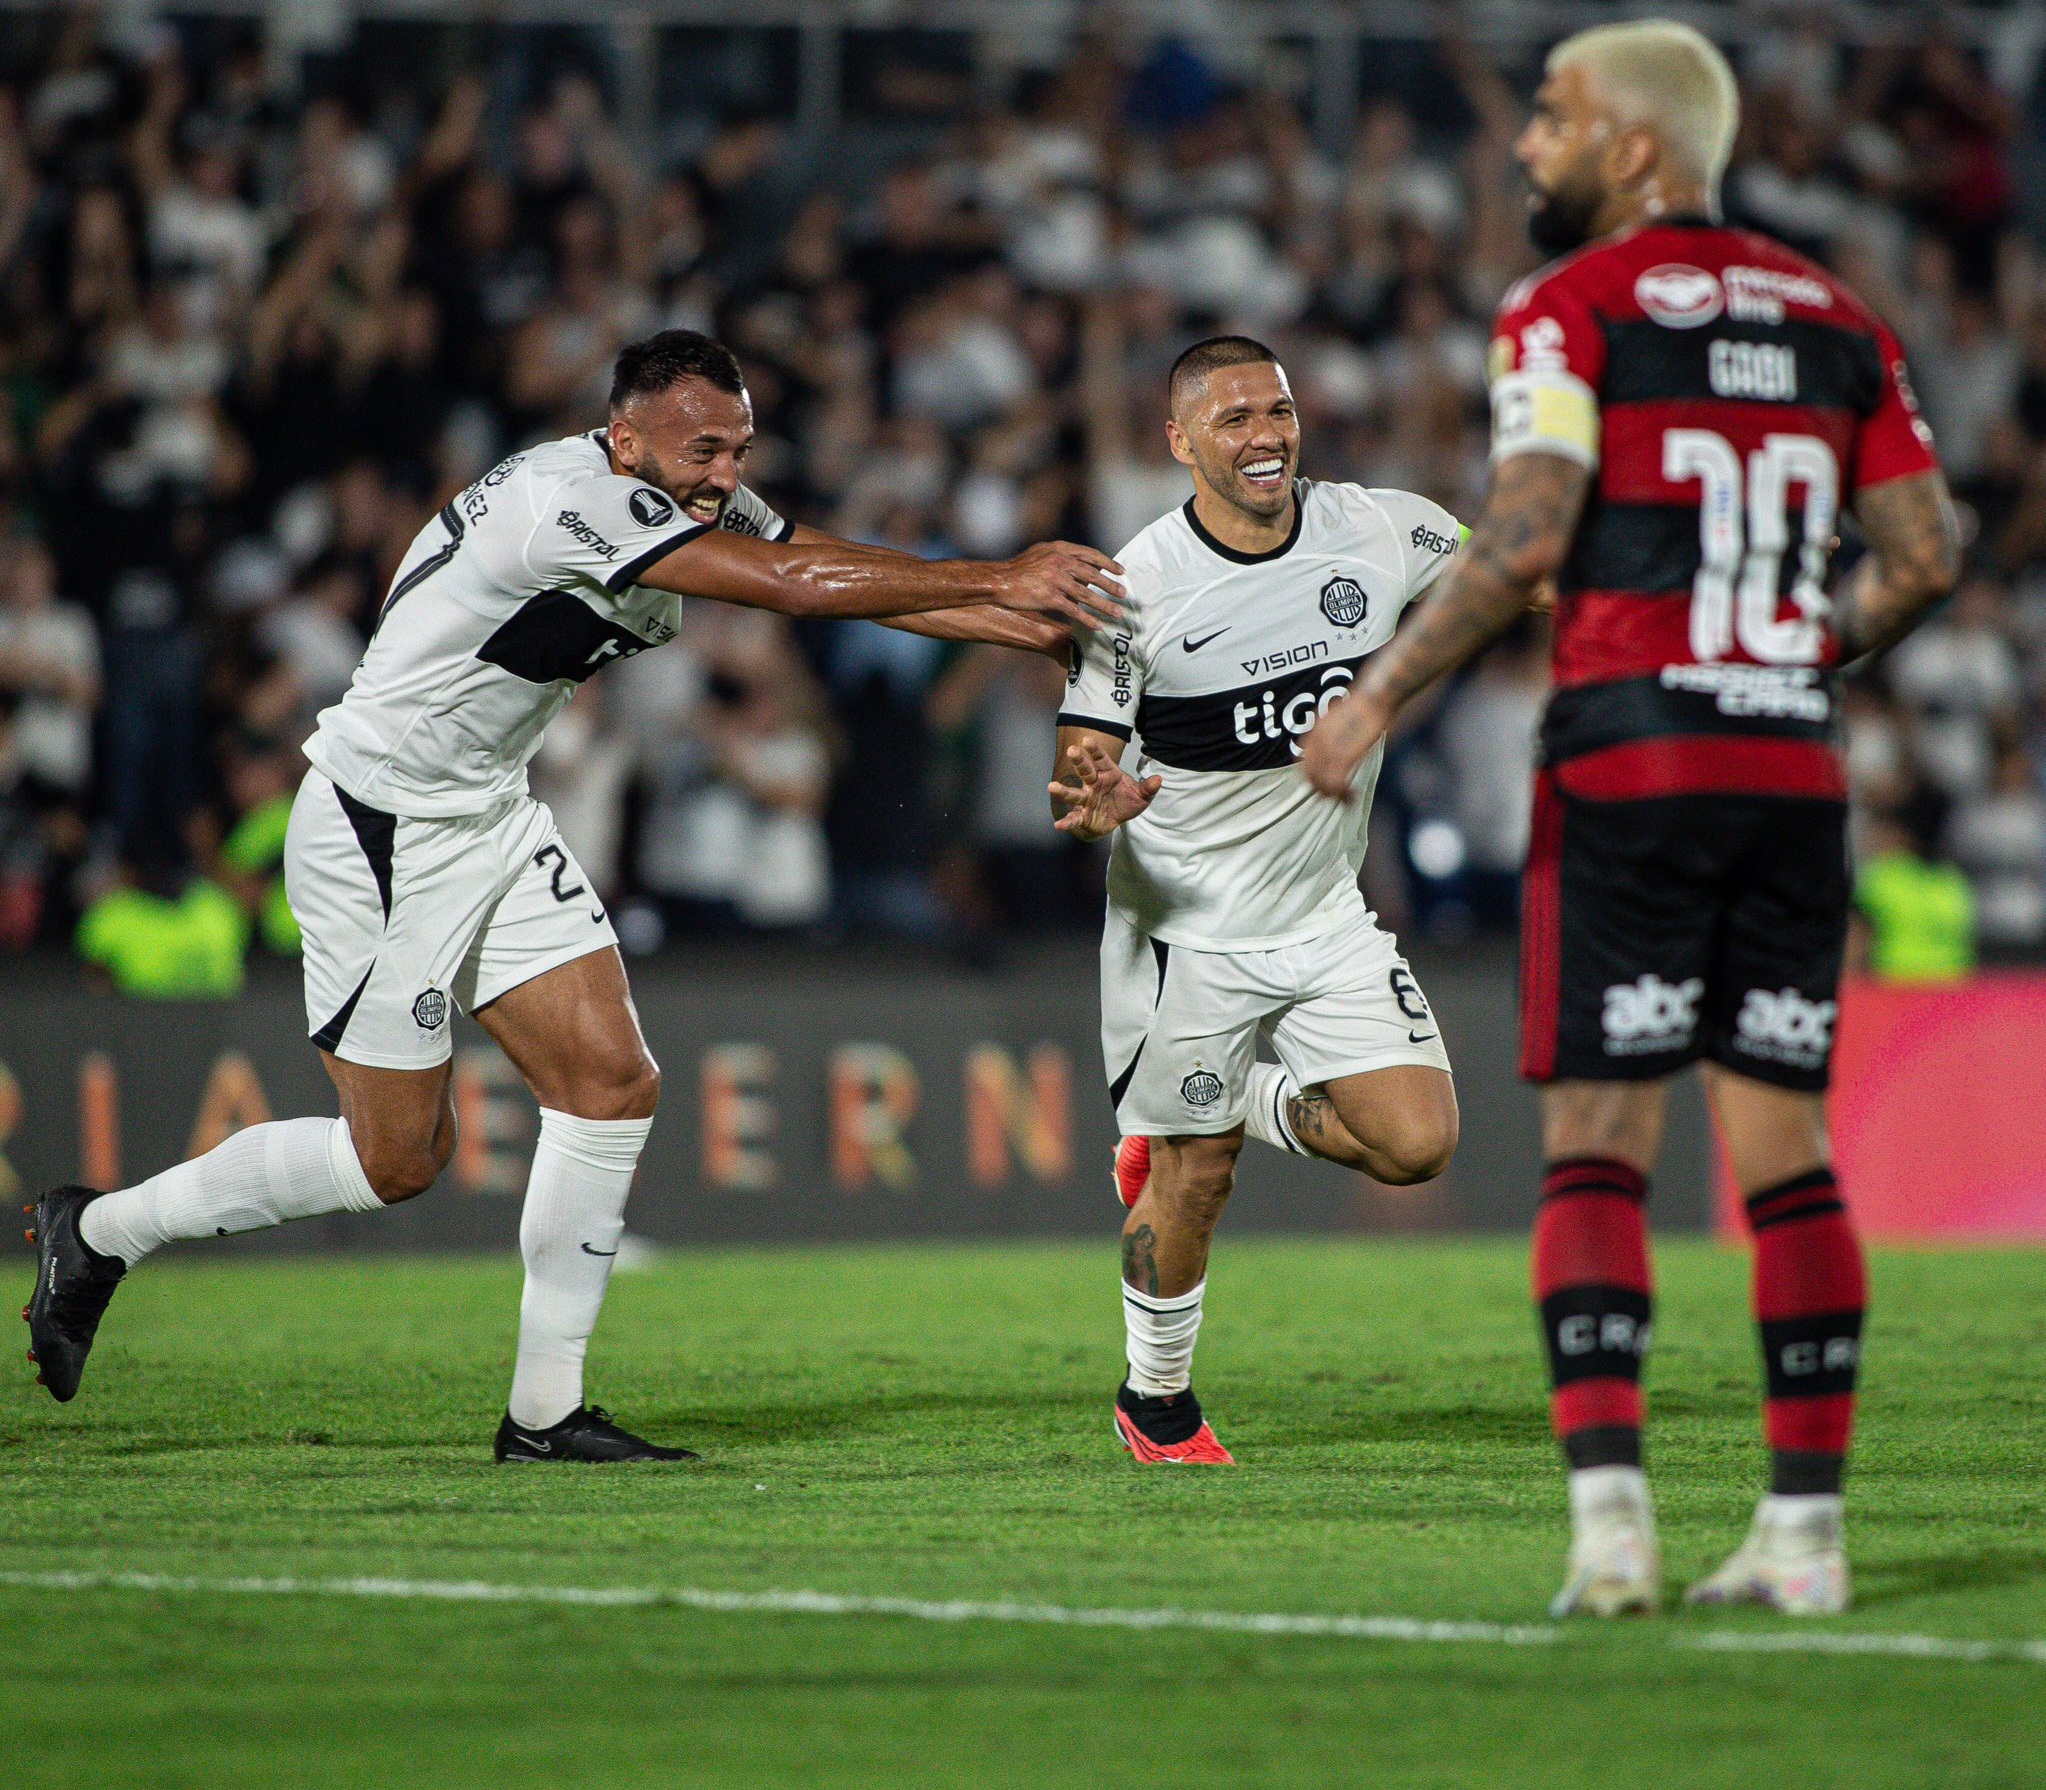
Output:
x=802 y=1603
x=828 y=1603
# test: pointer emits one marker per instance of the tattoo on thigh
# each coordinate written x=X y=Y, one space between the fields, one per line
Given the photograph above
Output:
x=1139 y=1258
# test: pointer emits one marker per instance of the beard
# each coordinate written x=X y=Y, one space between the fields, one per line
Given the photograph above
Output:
x=1561 y=220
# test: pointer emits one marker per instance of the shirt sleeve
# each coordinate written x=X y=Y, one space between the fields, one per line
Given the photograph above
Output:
x=1544 y=367
x=1104 y=674
x=605 y=529
x=1429 y=537
x=749 y=514
x=1893 y=441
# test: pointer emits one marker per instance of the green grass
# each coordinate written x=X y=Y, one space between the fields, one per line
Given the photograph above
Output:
x=933 y=1422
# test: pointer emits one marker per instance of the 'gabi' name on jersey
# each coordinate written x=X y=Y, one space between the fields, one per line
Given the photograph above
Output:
x=1225 y=661
x=1729 y=398
x=521 y=588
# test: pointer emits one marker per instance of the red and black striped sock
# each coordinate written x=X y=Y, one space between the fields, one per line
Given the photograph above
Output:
x=1592 y=1285
x=1810 y=1292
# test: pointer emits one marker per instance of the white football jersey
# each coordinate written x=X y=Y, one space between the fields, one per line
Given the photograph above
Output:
x=1223 y=662
x=517 y=591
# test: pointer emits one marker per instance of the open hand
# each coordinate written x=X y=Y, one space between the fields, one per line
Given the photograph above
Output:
x=1099 y=795
x=1336 y=745
x=1062 y=579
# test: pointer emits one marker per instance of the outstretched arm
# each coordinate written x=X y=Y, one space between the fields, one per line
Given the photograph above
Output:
x=830 y=578
x=981 y=622
x=1519 y=542
x=1913 y=559
x=1092 y=794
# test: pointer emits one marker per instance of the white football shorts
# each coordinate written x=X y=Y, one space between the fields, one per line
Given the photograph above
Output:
x=1180 y=1028
x=404 y=919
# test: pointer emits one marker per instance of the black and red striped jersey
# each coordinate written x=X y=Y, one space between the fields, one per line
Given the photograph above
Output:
x=1730 y=396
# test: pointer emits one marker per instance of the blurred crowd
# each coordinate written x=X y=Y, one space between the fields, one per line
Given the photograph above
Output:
x=256 y=327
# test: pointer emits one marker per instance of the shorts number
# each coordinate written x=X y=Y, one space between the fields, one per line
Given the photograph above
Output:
x=1743 y=535
x=1406 y=990
x=560 y=858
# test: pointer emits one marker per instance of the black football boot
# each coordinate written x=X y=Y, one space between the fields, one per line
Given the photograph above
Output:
x=73 y=1284
x=585 y=1434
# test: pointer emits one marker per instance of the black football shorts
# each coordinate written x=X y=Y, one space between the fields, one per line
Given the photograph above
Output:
x=1655 y=932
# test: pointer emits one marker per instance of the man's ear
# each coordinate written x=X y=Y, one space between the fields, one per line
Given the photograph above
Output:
x=1633 y=155
x=624 y=441
x=1176 y=441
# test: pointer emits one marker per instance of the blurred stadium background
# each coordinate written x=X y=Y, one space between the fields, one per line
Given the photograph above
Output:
x=275 y=281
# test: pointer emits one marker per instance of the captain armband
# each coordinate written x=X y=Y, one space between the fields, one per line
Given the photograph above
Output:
x=1545 y=411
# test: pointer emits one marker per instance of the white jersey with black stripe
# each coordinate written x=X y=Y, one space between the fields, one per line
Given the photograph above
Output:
x=516 y=592
x=1223 y=663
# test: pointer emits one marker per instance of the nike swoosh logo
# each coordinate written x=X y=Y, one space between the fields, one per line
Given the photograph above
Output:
x=1194 y=646
x=587 y=1250
x=598 y=916
x=536 y=1445
x=1412 y=1038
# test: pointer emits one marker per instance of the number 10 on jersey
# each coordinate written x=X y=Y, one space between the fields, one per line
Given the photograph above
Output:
x=1744 y=531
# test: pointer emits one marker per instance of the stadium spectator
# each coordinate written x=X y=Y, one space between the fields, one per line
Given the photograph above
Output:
x=1033 y=879
x=163 y=933
x=49 y=660
x=1914 y=917
x=732 y=831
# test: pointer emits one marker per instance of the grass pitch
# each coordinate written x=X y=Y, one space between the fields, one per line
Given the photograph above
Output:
x=934 y=1423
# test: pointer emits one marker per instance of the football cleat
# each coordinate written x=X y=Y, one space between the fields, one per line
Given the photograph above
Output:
x=1168 y=1430
x=1615 y=1567
x=585 y=1434
x=1132 y=1168
x=1793 y=1561
x=73 y=1284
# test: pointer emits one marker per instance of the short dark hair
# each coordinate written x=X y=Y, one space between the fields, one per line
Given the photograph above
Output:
x=645 y=368
x=1193 y=367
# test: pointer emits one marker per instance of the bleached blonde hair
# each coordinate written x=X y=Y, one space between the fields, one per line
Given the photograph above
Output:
x=1665 y=76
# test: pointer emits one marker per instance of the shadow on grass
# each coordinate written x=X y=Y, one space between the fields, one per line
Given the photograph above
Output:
x=1944 y=1575
x=990 y=1412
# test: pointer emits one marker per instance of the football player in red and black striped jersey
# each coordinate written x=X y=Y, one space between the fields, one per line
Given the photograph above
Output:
x=1681 y=415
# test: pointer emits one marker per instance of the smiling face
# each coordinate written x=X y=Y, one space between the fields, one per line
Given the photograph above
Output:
x=690 y=440
x=1240 y=433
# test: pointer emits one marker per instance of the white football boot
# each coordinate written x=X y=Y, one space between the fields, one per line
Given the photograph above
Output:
x=1615 y=1568
x=1793 y=1560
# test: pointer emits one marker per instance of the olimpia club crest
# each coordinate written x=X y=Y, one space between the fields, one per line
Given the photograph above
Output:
x=1201 y=1088
x=1342 y=601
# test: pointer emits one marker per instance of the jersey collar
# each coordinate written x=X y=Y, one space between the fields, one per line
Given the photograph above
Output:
x=1234 y=554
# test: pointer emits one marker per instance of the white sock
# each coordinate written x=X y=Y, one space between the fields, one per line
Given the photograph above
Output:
x=1161 y=1339
x=574 y=1216
x=1270 y=1088
x=1817 y=1517
x=264 y=1175
x=1597 y=1492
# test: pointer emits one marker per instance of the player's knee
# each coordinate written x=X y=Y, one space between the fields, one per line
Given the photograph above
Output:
x=1195 y=1175
x=1420 y=1149
x=625 y=1087
x=403 y=1171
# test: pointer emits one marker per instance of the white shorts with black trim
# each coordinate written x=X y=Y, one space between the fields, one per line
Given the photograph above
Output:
x=406 y=919
x=1180 y=1028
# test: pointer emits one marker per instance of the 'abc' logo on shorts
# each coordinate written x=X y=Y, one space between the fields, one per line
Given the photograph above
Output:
x=649 y=507
x=1201 y=1088
x=1785 y=1026
x=430 y=1011
x=1342 y=601
x=1650 y=1014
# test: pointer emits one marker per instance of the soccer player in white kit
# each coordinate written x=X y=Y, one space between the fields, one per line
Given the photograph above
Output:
x=424 y=876
x=1233 y=906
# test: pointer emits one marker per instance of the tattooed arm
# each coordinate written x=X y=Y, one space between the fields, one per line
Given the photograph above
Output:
x=1913 y=559
x=1519 y=541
